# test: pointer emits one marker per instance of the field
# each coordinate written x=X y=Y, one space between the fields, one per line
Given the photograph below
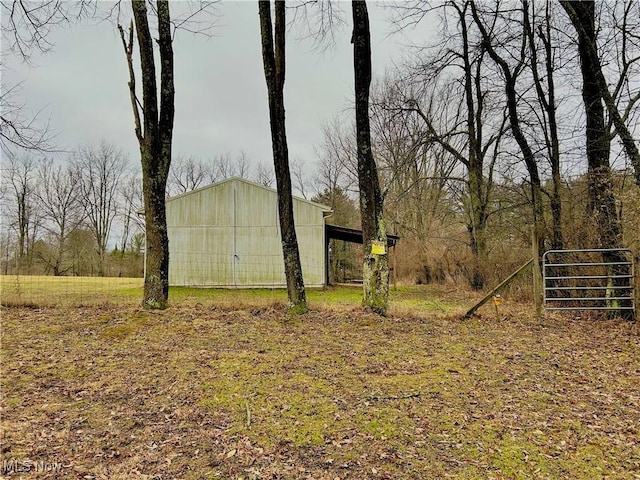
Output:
x=225 y=385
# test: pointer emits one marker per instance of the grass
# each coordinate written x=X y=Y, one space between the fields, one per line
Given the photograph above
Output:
x=225 y=384
x=40 y=290
x=32 y=290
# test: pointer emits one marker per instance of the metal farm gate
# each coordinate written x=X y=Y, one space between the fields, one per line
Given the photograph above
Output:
x=583 y=280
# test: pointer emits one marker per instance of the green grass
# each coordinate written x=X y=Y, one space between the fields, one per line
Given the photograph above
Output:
x=39 y=290
x=34 y=290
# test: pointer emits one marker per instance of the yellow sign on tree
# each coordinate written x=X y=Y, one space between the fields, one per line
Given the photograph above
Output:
x=378 y=248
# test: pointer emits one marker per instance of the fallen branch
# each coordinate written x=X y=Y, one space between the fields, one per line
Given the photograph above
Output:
x=375 y=398
x=506 y=282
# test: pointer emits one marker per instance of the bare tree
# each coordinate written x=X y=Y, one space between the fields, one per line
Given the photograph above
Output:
x=224 y=167
x=546 y=96
x=319 y=20
x=510 y=77
x=23 y=213
x=131 y=203
x=60 y=201
x=338 y=162
x=451 y=88
x=375 y=267
x=154 y=132
x=221 y=168
x=264 y=175
x=273 y=56
x=101 y=168
x=186 y=174
x=26 y=27
x=242 y=167
x=582 y=15
x=415 y=171
x=299 y=177
x=602 y=203
x=20 y=130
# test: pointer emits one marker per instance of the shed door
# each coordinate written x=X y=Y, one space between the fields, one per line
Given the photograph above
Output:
x=257 y=258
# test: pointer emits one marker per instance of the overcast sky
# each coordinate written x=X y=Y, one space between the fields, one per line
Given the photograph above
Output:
x=221 y=97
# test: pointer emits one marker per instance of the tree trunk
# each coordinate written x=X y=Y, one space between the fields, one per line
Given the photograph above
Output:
x=154 y=135
x=23 y=224
x=582 y=15
x=602 y=202
x=156 y=281
x=477 y=228
x=479 y=172
x=273 y=57
x=375 y=270
x=510 y=81
x=548 y=104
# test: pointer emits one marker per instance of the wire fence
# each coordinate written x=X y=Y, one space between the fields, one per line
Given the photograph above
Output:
x=206 y=269
x=186 y=270
x=40 y=290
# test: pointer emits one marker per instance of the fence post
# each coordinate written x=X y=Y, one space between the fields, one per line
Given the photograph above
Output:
x=537 y=274
x=497 y=289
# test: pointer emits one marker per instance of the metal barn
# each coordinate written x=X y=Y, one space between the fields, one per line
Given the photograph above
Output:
x=227 y=234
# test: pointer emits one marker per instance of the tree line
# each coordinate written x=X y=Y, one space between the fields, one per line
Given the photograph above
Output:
x=80 y=214
x=489 y=128
x=506 y=119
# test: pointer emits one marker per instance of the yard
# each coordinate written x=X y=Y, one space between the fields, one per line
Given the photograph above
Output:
x=225 y=385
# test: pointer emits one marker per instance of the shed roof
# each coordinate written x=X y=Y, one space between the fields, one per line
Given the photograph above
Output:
x=354 y=235
x=322 y=207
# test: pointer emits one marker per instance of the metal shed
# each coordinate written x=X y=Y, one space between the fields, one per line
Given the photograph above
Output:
x=227 y=234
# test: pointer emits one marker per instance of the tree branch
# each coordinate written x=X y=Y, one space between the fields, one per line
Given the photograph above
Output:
x=128 y=51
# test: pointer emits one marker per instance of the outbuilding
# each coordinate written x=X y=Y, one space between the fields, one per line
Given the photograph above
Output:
x=227 y=234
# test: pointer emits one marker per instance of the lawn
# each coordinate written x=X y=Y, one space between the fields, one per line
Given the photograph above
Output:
x=41 y=291
x=226 y=385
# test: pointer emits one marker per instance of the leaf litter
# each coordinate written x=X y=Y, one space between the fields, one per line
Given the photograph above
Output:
x=194 y=392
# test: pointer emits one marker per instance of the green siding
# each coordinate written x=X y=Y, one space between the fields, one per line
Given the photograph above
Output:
x=227 y=234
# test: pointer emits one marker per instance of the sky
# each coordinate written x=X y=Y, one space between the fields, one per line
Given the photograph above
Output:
x=221 y=95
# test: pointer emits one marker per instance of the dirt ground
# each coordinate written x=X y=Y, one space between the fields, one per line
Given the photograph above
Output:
x=198 y=392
